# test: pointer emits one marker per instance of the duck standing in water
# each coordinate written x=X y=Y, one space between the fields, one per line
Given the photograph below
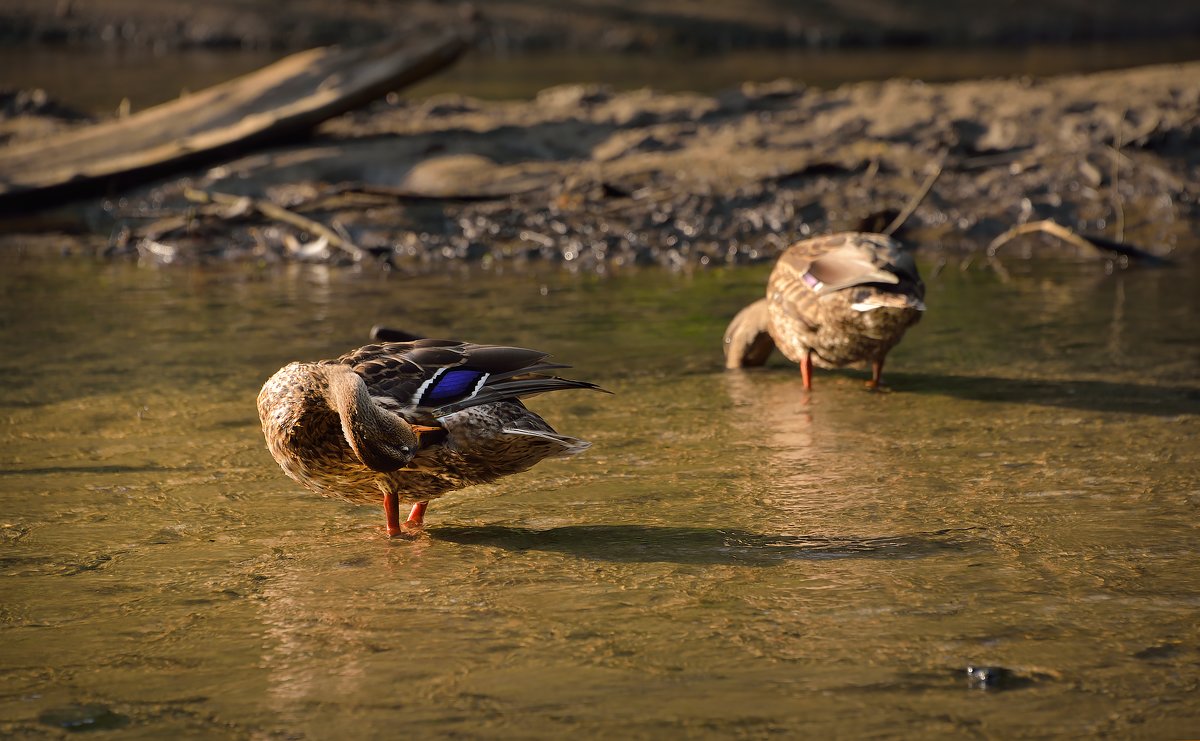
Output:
x=831 y=301
x=411 y=421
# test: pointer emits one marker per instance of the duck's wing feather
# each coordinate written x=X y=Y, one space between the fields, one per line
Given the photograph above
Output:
x=844 y=268
x=835 y=262
x=440 y=377
x=789 y=293
x=905 y=267
x=512 y=388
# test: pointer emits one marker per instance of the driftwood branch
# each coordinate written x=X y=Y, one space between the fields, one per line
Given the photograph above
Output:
x=919 y=196
x=285 y=99
x=279 y=213
x=1093 y=244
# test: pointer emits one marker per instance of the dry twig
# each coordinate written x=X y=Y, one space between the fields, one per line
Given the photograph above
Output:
x=1095 y=245
x=1119 y=226
x=279 y=213
x=918 y=196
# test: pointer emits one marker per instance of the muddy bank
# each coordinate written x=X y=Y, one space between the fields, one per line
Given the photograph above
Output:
x=594 y=179
x=511 y=25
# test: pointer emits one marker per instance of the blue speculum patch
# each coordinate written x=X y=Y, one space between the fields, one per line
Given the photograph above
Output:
x=453 y=384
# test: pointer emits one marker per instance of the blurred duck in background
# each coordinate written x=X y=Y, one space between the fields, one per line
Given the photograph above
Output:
x=831 y=301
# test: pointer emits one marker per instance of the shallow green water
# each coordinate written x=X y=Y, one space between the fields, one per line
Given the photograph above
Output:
x=147 y=79
x=730 y=559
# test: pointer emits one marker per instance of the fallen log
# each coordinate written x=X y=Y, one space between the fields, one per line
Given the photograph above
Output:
x=278 y=102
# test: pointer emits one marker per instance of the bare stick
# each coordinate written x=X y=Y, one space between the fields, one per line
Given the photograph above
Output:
x=1118 y=138
x=1001 y=271
x=917 y=197
x=279 y=213
x=1094 y=243
x=1049 y=227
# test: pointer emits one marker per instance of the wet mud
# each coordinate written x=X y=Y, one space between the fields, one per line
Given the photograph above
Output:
x=593 y=178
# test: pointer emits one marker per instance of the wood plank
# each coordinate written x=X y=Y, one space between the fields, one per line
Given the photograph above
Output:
x=282 y=100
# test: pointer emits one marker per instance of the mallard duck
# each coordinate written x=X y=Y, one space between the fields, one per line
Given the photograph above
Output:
x=831 y=301
x=411 y=421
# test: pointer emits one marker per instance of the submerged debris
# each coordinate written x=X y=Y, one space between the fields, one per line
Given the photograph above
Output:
x=995 y=678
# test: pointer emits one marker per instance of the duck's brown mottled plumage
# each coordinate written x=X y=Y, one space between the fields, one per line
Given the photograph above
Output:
x=411 y=421
x=831 y=301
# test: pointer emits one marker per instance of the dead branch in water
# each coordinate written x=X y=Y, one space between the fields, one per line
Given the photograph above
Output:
x=240 y=204
x=1093 y=244
x=918 y=196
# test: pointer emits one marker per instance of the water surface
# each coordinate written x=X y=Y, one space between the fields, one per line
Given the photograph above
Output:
x=730 y=559
x=97 y=80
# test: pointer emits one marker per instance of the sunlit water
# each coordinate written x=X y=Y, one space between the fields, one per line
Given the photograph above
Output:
x=730 y=559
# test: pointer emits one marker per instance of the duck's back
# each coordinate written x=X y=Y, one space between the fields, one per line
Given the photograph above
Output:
x=846 y=297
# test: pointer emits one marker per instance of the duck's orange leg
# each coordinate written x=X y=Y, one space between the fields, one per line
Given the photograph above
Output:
x=416 y=518
x=391 y=510
x=876 y=381
x=806 y=367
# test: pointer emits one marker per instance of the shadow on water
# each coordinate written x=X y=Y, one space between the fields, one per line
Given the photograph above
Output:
x=1084 y=395
x=693 y=545
x=1097 y=396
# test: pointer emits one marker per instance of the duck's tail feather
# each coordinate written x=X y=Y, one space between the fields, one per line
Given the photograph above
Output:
x=538 y=368
x=380 y=333
x=569 y=445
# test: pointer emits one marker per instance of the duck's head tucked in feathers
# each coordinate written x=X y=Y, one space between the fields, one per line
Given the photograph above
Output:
x=303 y=402
x=411 y=420
x=831 y=301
